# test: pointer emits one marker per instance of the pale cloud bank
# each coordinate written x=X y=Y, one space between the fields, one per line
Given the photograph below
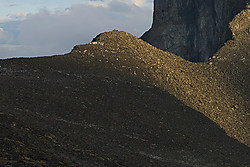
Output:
x=49 y=33
x=139 y=2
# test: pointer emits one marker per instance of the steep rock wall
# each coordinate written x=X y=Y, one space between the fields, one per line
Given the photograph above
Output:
x=192 y=29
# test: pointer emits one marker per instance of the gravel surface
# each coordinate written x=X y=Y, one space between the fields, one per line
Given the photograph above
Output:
x=118 y=101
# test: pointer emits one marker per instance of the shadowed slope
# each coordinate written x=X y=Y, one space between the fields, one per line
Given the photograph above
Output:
x=216 y=88
x=56 y=112
x=118 y=101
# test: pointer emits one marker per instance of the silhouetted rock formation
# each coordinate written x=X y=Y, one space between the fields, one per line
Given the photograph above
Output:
x=192 y=29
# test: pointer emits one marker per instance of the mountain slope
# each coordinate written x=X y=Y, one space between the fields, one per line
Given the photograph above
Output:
x=54 y=112
x=216 y=88
x=118 y=101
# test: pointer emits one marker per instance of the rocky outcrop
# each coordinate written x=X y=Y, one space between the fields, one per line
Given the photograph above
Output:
x=192 y=29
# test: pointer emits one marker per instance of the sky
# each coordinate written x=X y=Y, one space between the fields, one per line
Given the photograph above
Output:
x=30 y=28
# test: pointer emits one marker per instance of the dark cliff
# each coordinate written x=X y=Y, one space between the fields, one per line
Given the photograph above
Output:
x=192 y=29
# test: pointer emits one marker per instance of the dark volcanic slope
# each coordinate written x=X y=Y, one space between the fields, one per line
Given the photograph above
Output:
x=118 y=101
x=53 y=113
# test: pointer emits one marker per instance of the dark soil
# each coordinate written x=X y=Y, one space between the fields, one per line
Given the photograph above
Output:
x=53 y=118
x=118 y=101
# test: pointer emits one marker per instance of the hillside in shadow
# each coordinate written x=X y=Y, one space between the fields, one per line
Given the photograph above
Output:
x=118 y=101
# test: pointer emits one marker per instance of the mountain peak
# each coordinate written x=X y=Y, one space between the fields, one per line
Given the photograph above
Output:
x=193 y=29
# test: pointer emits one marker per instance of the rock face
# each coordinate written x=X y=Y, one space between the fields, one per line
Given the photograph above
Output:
x=192 y=29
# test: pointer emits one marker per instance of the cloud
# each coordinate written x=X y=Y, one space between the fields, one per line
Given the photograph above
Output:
x=9 y=32
x=5 y=37
x=18 y=16
x=97 y=4
x=2 y=35
x=139 y=2
x=10 y=51
x=13 y=5
x=48 y=33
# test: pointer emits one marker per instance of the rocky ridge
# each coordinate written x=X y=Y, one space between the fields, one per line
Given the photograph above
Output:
x=118 y=101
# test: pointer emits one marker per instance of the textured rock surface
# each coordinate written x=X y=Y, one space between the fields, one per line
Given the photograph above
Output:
x=192 y=29
x=118 y=101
